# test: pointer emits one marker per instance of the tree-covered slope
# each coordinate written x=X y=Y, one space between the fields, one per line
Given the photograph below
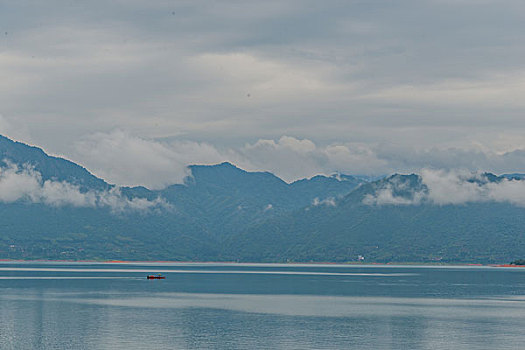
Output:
x=55 y=209
x=399 y=231
x=91 y=219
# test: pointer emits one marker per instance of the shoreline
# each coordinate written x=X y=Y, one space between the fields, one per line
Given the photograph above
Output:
x=233 y=263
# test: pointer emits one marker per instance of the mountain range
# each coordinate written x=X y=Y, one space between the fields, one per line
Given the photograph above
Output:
x=52 y=208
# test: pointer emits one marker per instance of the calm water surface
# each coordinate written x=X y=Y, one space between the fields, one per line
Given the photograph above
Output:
x=221 y=306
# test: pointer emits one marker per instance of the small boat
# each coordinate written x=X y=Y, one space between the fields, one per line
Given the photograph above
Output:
x=156 y=277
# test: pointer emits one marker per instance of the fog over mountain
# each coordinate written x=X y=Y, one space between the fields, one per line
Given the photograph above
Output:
x=53 y=208
x=440 y=187
x=126 y=159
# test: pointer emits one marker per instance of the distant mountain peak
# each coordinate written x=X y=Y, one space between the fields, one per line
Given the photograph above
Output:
x=224 y=166
x=49 y=167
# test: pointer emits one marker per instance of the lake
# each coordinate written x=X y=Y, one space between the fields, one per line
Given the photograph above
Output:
x=259 y=306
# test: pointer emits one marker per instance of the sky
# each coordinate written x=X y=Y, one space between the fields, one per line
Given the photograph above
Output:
x=137 y=90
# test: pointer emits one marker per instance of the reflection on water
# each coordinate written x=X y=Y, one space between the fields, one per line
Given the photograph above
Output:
x=322 y=306
x=365 y=308
x=221 y=272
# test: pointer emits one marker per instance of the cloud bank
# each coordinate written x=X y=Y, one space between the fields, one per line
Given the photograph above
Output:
x=126 y=159
x=449 y=187
x=23 y=183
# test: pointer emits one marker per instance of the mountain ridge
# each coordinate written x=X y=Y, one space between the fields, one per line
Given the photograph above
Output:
x=224 y=213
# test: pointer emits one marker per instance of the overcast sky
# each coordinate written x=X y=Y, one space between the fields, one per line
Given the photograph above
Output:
x=137 y=90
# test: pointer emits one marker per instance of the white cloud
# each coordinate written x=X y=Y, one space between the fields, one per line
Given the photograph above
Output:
x=63 y=193
x=119 y=203
x=459 y=187
x=291 y=158
x=512 y=191
x=18 y=184
x=127 y=160
x=24 y=183
x=451 y=187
